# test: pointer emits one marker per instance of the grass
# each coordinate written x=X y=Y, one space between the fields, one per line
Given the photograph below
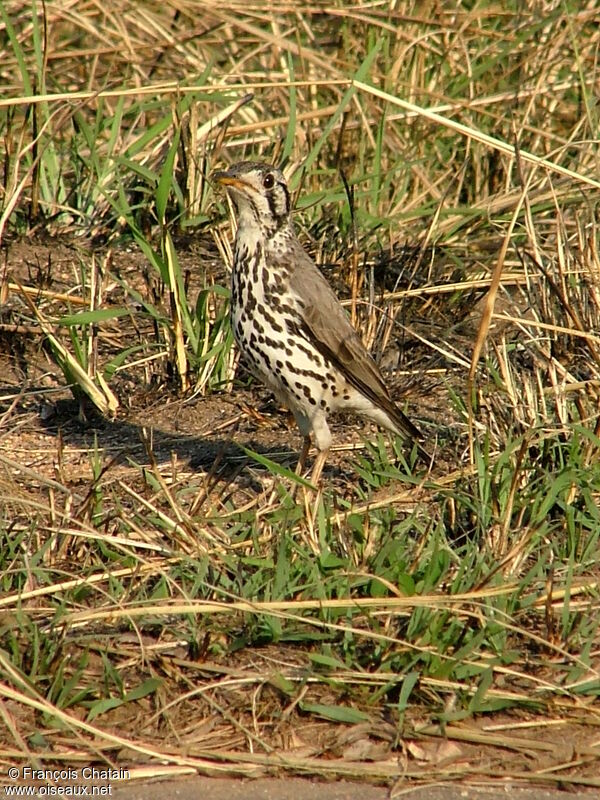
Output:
x=159 y=575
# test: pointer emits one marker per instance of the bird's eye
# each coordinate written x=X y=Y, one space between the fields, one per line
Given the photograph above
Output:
x=268 y=181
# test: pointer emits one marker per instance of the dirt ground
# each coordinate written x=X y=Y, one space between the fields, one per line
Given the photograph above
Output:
x=197 y=430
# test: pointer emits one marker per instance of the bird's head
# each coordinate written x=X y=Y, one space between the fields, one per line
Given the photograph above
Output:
x=259 y=194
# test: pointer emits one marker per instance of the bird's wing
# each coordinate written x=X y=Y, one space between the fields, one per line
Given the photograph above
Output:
x=329 y=328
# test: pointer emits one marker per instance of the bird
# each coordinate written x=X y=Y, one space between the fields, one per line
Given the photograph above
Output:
x=289 y=324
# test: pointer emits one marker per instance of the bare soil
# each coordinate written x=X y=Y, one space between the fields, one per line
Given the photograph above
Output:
x=194 y=429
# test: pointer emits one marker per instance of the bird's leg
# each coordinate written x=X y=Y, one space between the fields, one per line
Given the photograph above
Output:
x=318 y=466
x=312 y=501
x=303 y=455
x=301 y=461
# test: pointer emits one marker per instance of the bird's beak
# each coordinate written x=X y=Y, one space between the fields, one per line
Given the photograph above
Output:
x=227 y=179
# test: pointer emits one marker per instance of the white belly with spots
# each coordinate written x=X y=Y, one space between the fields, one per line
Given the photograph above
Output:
x=268 y=328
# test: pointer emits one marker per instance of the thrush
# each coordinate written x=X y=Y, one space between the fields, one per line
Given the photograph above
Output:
x=289 y=324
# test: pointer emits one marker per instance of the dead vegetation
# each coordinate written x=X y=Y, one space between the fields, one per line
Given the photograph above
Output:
x=157 y=575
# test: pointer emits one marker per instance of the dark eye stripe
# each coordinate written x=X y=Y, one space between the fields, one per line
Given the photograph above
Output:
x=271 y=202
x=287 y=197
x=281 y=213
